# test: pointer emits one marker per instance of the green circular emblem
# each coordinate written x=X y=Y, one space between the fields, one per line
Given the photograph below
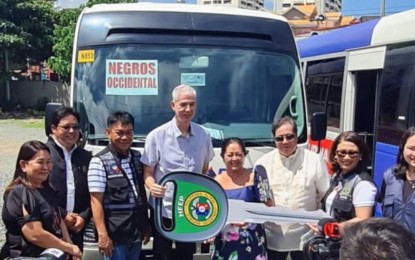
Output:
x=201 y=209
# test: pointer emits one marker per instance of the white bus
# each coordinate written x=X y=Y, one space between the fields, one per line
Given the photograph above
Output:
x=243 y=64
x=363 y=77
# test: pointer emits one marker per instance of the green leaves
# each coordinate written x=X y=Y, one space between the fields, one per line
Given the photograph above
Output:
x=26 y=30
x=32 y=30
x=63 y=36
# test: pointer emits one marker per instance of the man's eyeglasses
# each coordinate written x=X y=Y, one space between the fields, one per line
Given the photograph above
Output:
x=288 y=137
x=67 y=128
x=351 y=154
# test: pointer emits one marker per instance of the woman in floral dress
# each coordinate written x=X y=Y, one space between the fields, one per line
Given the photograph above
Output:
x=244 y=241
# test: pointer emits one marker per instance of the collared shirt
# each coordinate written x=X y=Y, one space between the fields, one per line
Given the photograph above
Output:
x=364 y=195
x=70 y=181
x=299 y=181
x=167 y=150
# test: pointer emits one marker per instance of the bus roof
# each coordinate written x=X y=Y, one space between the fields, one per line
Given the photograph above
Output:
x=395 y=28
x=390 y=29
x=339 y=40
x=150 y=23
x=185 y=8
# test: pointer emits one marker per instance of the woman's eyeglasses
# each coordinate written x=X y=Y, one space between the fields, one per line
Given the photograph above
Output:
x=288 y=137
x=351 y=154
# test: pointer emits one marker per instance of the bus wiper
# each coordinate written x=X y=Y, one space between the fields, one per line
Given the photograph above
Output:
x=264 y=141
x=140 y=138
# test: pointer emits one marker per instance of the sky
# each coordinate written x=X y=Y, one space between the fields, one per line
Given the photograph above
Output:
x=70 y=3
x=350 y=7
x=372 y=7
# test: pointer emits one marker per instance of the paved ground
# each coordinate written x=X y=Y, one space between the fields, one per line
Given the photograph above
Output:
x=14 y=133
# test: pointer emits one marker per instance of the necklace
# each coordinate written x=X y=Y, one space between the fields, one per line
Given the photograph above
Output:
x=412 y=182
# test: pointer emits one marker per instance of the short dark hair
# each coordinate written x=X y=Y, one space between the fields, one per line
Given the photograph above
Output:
x=62 y=112
x=401 y=164
x=229 y=141
x=282 y=121
x=377 y=239
x=122 y=117
x=353 y=137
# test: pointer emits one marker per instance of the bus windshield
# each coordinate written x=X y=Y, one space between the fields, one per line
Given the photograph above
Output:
x=239 y=91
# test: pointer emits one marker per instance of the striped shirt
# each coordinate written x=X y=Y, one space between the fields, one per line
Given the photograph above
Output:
x=97 y=177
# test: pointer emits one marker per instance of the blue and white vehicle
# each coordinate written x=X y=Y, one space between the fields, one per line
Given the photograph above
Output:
x=363 y=77
x=243 y=64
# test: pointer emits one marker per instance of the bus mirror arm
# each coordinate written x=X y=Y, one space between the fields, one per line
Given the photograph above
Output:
x=318 y=146
x=83 y=139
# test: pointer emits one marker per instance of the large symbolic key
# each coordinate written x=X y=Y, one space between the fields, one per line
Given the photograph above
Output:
x=201 y=209
x=240 y=211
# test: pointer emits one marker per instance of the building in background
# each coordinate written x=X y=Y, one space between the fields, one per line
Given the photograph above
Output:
x=306 y=19
x=322 y=6
x=332 y=5
x=244 y=4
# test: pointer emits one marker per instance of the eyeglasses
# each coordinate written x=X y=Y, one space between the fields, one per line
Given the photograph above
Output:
x=351 y=154
x=288 y=137
x=67 y=128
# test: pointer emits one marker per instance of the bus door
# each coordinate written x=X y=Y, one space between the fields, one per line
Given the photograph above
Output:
x=364 y=121
x=364 y=69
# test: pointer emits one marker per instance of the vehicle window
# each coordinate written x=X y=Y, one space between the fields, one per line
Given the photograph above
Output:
x=397 y=93
x=324 y=81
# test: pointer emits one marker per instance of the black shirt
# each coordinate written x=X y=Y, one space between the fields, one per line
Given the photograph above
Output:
x=41 y=205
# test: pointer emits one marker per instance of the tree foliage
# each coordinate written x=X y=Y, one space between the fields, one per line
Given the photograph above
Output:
x=63 y=37
x=26 y=28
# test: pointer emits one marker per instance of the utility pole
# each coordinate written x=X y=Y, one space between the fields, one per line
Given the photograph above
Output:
x=6 y=60
x=382 y=8
x=6 y=69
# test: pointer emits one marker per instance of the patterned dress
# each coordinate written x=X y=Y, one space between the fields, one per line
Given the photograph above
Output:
x=243 y=242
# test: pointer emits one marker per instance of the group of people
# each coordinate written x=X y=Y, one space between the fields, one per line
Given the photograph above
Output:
x=58 y=186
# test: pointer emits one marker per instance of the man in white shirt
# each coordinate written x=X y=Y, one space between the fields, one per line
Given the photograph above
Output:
x=298 y=179
x=178 y=145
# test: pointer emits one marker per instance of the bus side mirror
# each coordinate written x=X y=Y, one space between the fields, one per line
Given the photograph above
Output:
x=318 y=126
x=49 y=109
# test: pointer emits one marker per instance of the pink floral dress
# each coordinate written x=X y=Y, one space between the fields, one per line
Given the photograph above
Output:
x=237 y=241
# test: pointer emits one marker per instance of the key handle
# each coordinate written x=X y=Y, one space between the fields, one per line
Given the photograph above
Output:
x=200 y=207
